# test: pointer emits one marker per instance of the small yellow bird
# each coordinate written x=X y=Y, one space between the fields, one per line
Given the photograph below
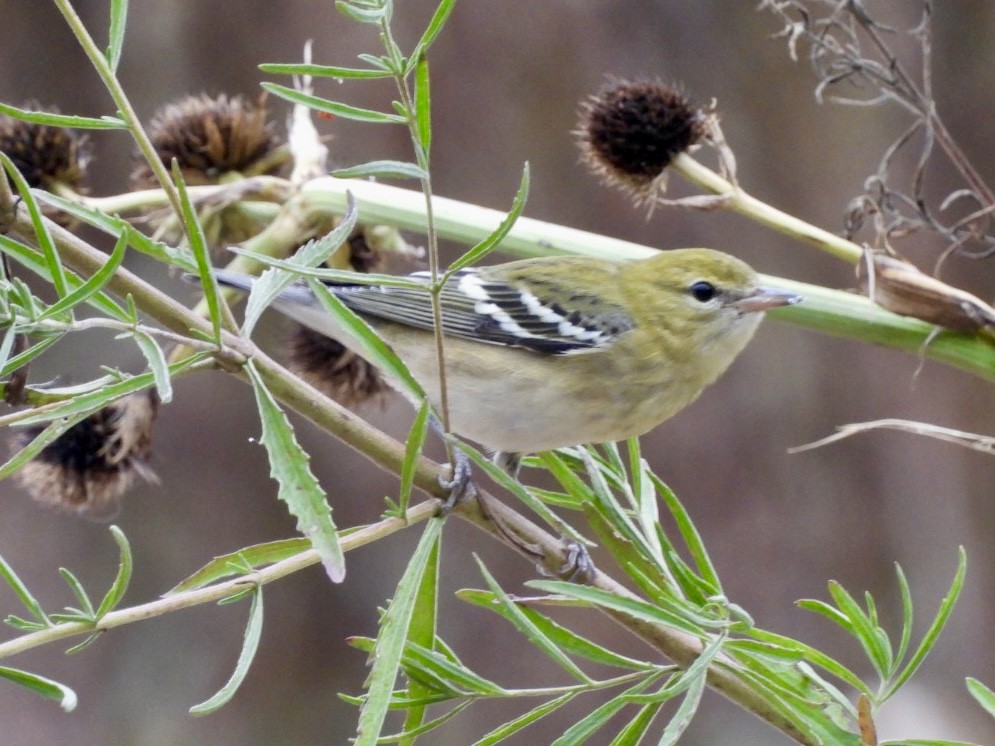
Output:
x=557 y=351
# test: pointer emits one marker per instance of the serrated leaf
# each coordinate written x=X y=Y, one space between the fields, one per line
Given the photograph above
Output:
x=392 y=638
x=271 y=283
x=298 y=487
x=47 y=688
x=250 y=643
x=331 y=107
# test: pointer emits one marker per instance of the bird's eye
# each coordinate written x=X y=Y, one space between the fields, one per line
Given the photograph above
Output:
x=703 y=291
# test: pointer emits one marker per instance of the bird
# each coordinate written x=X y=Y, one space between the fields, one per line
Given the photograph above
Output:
x=557 y=351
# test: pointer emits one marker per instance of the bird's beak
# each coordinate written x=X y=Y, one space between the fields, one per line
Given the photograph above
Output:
x=764 y=299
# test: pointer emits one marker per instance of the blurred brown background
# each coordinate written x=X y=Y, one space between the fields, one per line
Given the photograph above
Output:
x=506 y=80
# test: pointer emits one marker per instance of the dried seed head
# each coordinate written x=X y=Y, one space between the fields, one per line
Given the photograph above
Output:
x=629 y=132
x=210 y=137
x=90 y=466
x=49 y=158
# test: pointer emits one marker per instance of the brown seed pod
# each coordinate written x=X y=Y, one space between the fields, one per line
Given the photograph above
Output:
x=90 y=466
x=629 y=132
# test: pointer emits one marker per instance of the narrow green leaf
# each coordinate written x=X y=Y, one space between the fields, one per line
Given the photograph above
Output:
x=392 y=638
x=410 y=736
x=827 y=610
x=158 y=364
x=91 y=286
x=694 y=680
x=692 y=539
x=371 y=347
x=119 y=15
x=41 y=441
x=494 y=239
x=413 y=446
x=333 y=275
x=523 y=721
x=362 y=14
x=636 y=728
x=298 y=488
x=324 y=71
x=53 y=261
x=434 y=28
x=23 y=594
x=583 y=729
x=566 y=639
x=47 y=688
x=532 y=632
x=250 y=643
x=423 y=105
x=863 y=629
x=228 y=565
x=907 y=616
x=813 y=655
x=629 y=606
x=939 y=622
x=422 y=632
x=28 y=355
x=984 y=696
x=117 y=590
x=331 y=107
x=201 y=252
x=34 y=261
x=63 y=120
x=454 y=676
x=382 y=170
x=79 y=591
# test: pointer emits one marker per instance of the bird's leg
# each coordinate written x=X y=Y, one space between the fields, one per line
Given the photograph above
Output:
x=509 y=461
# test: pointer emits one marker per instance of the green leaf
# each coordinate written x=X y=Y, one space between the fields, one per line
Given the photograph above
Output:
x=434 y=28
x=423 y=106
x=413 y=445
x=81 y=595
x=331 y=107
x=907 y=616
x=984 y=696
x=583 y=729
x=158 y=364
x=363 y=14
x=522 y=721
x=119 y=14
x=234 y=563
x=45 y=438
x=298 y=488
x=382 y=170
x=117 y=590
x=564 y=638
x=939 y=622
x=324 y=71
x=34 y=261
x=250 y=643
x=371 y=347
x=864 y=629
x=23 y=594
x=493 y=240
x=201 y=252
x=422 y=633
x=63 y=120
x=53 y=262
x=532 y=632
x=271 y=283
x=392 y=638
x=47 y=688
x=452 y=675
x=91 y=286
x=694 y=680
x=636 y=728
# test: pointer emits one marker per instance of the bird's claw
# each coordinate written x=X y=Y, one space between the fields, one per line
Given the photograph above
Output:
x=460 y=485
x=577 y=565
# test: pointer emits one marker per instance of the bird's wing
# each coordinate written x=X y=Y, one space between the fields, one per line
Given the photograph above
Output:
x=480 y=306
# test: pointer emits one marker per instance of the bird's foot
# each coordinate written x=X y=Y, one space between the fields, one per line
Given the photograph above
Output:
x=577 y=565
x=460 y=485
